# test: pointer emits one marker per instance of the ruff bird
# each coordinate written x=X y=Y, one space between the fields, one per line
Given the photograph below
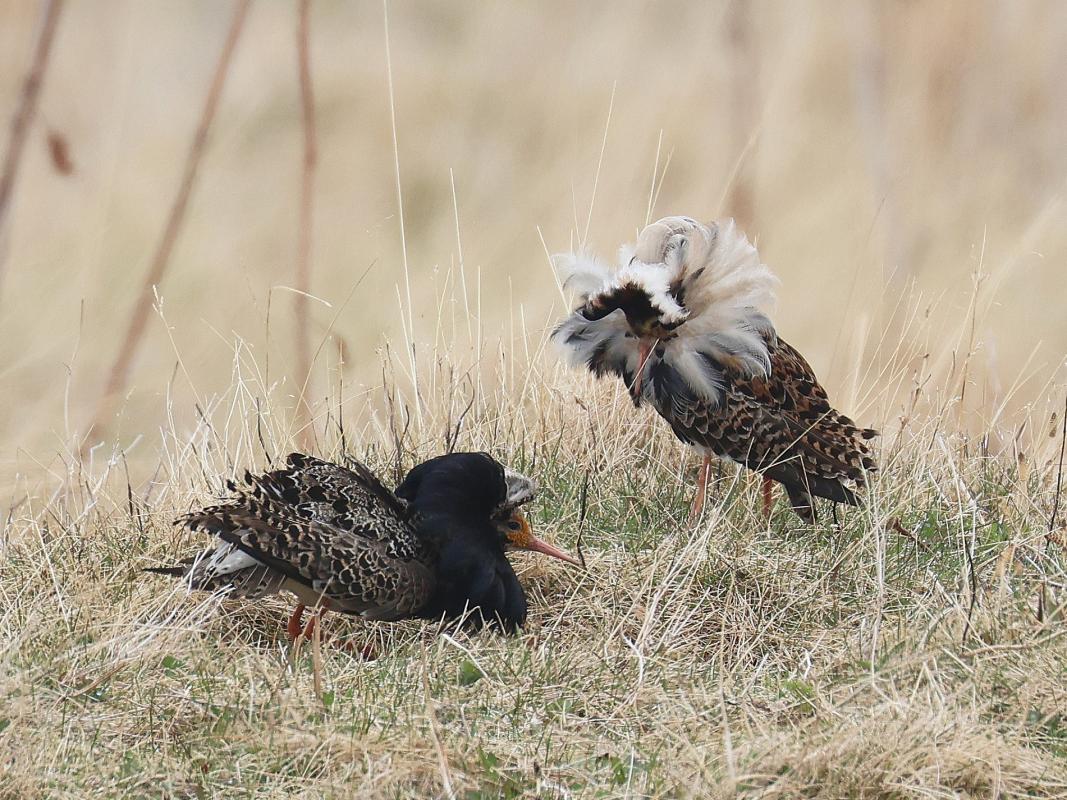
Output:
x=680 y=321
x=338 y=539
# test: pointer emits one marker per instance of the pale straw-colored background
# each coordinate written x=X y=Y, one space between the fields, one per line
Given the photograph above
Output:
x=883 y=155
x=901 y=165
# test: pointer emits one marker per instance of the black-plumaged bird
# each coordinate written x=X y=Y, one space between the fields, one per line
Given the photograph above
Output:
x=340 y=540
x=679 y=321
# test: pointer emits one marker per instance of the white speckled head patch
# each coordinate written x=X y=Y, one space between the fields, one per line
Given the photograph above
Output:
x=520 y=489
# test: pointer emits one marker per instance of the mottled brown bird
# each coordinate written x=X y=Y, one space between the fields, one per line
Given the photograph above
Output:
x=679 y=321
x=338 y=539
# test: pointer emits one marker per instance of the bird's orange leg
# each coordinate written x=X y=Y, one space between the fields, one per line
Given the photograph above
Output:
x=297 y=629
x=366 y=652
x=702 y=488
x=768 y=497
x=295 y=619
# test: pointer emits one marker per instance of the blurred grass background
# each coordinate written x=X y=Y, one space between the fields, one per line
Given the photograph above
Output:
x=881 y=154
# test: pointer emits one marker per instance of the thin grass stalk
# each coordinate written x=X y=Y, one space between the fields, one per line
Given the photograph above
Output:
x=120 y=368
x=27 y=110
x=744 y=90
x=307 y=204
x=409 y=330
x=870 y=93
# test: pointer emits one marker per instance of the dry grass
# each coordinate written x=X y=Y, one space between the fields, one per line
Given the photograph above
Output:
x=903 y=171
x=734 y=658
x=937 y=159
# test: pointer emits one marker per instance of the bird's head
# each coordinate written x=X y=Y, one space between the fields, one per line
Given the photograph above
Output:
x=649 y=285
x=516 y=534
x=684 y=298
x=477 y=488
x=645 y=317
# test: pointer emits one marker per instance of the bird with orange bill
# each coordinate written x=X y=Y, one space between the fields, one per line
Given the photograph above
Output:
x=338 y=539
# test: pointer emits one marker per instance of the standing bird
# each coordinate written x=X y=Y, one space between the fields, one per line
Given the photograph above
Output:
x=679 y=321
x=337 y=538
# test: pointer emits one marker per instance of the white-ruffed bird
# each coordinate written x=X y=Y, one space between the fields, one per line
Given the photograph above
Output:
x=679 y=321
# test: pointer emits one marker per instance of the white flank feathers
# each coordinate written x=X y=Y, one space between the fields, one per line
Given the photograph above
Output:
x=224 y=559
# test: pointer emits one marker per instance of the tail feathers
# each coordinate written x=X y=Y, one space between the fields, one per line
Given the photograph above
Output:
x=175 y=572
x=832 y=452
x=802 y=503
x=803 y=488
x=210 y=574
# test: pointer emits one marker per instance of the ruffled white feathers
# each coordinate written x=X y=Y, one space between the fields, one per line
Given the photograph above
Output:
x=705 y=284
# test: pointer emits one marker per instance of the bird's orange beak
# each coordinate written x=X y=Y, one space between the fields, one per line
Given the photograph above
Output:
x=644 y=347
x=524 y=539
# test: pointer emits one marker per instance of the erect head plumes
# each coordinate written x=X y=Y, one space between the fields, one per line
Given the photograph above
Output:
x=686 y=294
x=718 y=269
x=682 y=267
x=519 y=490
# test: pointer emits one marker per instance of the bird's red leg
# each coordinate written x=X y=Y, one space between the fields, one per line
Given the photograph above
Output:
x=295 y=619
x=295 y=629
x=309 y=626
x=702 y=488
x=316 y=619
x=768 y=497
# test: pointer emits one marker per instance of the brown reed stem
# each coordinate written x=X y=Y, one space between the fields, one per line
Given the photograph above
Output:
x=307 y=198
x=120 y=369
x=744 y=88
x=1059 y=475
x=27 y=109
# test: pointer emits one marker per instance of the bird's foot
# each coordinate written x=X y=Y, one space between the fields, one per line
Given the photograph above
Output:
x=309 y=628
x=296 y=628
x=300 y=632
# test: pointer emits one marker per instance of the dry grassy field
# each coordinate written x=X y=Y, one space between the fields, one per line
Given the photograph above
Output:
x=900 y=165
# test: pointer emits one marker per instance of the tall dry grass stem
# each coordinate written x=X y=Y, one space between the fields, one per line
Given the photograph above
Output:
x=306 y=222
x=118 y=375
x=744 y=95
x=409 y=329
x=26 y=111
x=879 y=145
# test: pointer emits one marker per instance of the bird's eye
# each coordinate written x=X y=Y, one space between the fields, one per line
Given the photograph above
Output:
x=514 y=525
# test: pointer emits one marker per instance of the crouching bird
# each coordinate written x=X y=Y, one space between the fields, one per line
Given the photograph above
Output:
x=338 y=539
x=680 y=321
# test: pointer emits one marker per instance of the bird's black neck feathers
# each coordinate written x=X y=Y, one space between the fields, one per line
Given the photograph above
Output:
x=467 y=484
x=643 y=317
x=453 y=498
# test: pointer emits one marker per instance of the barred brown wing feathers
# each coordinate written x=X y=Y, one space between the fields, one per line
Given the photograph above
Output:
x=792 y=391
x=772 y=426
x=352 y=499
x=335 y=530
x=791 y=385
x=354 y=572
